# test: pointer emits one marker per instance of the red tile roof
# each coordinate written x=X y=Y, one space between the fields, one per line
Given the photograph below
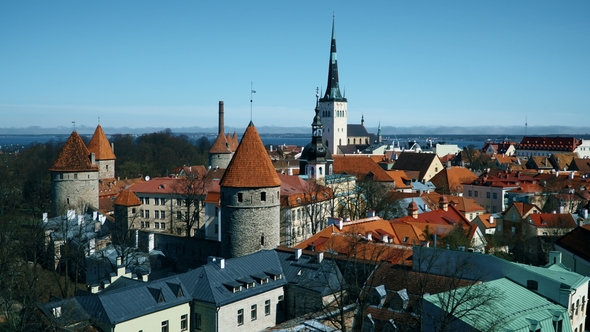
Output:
x=359 y=166
x=224 y=144
x=552 y=220
x=170 y=186
x=250 y=166
x=293 y=188
x=127 y=198
x=549 y=143
x=99 y=145
x=73 y=157
x=452 y=179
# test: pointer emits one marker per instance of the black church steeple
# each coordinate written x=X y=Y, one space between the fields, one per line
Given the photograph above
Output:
x=333 y=88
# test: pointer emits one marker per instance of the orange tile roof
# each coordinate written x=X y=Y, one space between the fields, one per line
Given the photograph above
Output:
x=250 y=166
x=400 y=178
x=359 y=166
x=111 y=187
x=293 y=187
x=485 y=220
x=549 y=143
x=552 y=220
x=170 y=186
x=223 y=144
x=461 y=203
x=453 y=178
x=127 y=198
x=99 y=145
x=73 y=157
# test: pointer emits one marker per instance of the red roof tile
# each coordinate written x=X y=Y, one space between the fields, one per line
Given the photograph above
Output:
x=73 y=157
x=127 y=198
x=99 y=145
x=250 y=166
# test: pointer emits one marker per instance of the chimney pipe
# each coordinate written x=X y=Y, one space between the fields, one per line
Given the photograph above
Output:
x=221 y=121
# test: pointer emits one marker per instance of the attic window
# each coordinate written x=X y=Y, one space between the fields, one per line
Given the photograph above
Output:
x=162 y=186
x=56 y=312
x=406 y=239
x=298 y=200
x=532 y=284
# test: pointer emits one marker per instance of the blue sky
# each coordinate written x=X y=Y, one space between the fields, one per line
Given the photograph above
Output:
x=402 y=63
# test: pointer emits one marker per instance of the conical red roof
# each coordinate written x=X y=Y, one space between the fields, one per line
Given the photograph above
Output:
x=250 y=166
x=127 y=198
x=73 y=157
x=99 y=145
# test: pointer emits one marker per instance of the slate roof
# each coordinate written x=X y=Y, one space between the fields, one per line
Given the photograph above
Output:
x=250 y=166
x=136 y=300
x=127 y=198
x=576 y=242
x=99 y=145
x=208 y=283
x=72 y=313
x=73 y=157
x=411 y=161
x=357 y=130
x=323 y=278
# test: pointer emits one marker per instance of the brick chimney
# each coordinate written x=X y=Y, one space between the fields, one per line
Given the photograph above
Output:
x=221 y=121
x=443 y=203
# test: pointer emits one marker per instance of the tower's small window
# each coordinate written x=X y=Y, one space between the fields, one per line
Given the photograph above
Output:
x=240 y=197
x=75 y=176
x=107 y=167
x=262 y=239
x=263 y=196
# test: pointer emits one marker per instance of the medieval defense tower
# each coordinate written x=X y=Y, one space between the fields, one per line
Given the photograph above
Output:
x=250 y=199
x=103 y=154
x=74 y=177
x=223 y=148
x=333 y=106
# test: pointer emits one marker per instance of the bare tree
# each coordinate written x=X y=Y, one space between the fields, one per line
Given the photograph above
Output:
x=317 y=199
x=190 y=193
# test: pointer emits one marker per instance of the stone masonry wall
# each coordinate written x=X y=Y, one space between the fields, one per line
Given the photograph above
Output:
x=79 y=188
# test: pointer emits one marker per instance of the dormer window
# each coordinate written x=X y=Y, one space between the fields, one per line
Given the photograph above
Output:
x=57 y=312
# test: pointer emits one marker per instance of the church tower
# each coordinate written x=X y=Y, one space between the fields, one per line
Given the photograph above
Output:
x=74 y=178
x=250 y=199
x=333 y=106
x=103 y=152
x=316 y=160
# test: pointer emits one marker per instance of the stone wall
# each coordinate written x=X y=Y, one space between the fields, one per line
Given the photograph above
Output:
x=106 y=169
x=220 y=160
x=251 y=224
x=73 y=190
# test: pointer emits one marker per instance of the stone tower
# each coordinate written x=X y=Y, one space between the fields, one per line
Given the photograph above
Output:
x=103 y=153
x=316 y=160
x=250 y=199
x=74 y=178
x=126 y=210
x=333 y=106
x=223 y=148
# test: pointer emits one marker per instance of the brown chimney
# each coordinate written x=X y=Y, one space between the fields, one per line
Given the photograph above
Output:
x=221 y=124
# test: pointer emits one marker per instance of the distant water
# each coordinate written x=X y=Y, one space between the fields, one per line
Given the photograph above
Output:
x=24 y=140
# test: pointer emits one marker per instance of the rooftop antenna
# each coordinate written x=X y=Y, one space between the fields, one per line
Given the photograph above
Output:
x=74 y=123
x=251 y=92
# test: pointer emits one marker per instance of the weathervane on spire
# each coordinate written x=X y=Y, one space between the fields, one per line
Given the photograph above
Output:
x=251 y=92
x=74 y=123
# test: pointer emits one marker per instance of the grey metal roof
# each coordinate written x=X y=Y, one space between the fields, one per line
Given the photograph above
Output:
x=324 y=278
x=357 y=130
x=71 y=312
x=207 y=283
x=135 y=300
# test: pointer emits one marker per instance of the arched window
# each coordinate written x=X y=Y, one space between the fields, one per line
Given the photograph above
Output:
x=320 y=171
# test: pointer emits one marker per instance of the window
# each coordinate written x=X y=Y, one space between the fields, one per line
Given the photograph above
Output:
x=75 y=176
x=197 y=321
x=240 y=197
x=147 y=213
x=157 y=214
x=163 y=201
x=162 y=214
x=267 y=307
x=178 y=202
x=495 y=195
x=475 y=193
x=156 y=201
x=165 y=326
x=163 y=225
x=532 y=284
x=263 y=196
x=156 y=225
x=147 y=201
x=262 y=239
x=147 y=224
x=281 y=303
x=469 y=193
x=142 y=225
x=253 y=312
x=241 y=317
x=184 y=322
x=178 y=215
x=488 y=194
x=141 y=213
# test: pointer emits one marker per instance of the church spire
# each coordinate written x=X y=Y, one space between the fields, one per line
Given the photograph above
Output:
x=333 y=88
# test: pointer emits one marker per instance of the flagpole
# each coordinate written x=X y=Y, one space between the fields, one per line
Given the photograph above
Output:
x=251 y=92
